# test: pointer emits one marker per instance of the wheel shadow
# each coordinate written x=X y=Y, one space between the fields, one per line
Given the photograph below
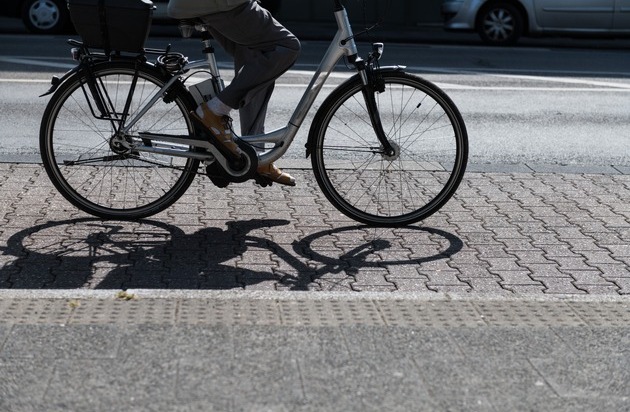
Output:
x=91 y=253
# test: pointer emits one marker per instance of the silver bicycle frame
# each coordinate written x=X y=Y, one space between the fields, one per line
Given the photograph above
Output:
x=343 y=44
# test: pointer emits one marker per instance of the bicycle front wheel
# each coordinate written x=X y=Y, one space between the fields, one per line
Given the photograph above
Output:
x=426 y=131
x=81 y=145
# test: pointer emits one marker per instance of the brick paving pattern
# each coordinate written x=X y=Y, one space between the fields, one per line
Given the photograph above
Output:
x=502 y=234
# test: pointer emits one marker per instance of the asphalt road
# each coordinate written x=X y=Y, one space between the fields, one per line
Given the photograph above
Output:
x=555 y=101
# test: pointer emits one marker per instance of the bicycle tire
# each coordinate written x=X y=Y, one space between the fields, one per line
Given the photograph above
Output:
x=111 y=185
x=422 y=123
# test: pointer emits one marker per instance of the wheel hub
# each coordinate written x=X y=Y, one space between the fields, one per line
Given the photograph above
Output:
x=394 y=154
x=499 y=24
x=119 y=144
x=44 y=14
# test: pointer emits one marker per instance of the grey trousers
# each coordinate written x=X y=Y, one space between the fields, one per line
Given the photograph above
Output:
x=262 y=50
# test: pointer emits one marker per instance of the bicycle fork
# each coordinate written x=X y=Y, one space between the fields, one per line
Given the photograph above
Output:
x=372 y=84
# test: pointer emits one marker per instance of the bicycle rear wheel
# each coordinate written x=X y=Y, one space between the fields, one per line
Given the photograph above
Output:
x=359 y=179
x=85 y=163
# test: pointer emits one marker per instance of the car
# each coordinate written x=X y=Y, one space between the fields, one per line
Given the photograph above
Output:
x=39 y=16
x=51 y=16
x=503 y=22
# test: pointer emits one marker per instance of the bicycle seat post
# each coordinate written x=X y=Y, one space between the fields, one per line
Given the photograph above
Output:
x=208 y=50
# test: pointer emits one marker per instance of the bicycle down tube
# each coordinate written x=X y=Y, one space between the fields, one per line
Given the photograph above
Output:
x=343 y=44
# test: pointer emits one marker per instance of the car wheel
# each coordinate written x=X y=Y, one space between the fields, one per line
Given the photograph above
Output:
x=500 y=24
x=45 y=16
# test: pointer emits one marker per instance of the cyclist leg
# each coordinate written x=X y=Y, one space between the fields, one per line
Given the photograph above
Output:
x=262 y=50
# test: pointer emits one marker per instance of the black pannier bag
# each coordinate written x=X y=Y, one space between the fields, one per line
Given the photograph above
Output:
x=112 y=25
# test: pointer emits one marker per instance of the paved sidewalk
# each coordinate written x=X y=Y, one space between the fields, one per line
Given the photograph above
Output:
x=513 y=297
x=528 y=234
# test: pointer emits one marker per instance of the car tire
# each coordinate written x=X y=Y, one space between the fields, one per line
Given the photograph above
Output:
x=500 y=24
x=45 y=16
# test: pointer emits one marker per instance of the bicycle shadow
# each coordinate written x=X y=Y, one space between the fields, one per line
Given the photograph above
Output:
x=90 y=253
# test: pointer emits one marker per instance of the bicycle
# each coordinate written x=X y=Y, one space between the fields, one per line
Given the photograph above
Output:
x=387 y=148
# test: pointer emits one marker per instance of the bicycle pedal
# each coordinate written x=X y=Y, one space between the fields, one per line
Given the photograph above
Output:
x=219 y=182
x=263 y=181
x=217 y=176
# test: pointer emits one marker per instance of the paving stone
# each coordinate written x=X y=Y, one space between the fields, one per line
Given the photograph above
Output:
x=442 y=277
x=23 y=379
x=476 y=378
x=139 y=379
x=474 y=270
x=372 y=277
x=464 y=288
x=574 y=403
x=385 y=385
x=526 y=289
x=570 y=263
x=560 y=286
x=515 y=342
x=623 y=284
x=50 y=342
x=588 y=277
x=543 y=223
x=594 y=342
x=488 y=285
x=544 y=270
x=576 y=376
x=611 y=289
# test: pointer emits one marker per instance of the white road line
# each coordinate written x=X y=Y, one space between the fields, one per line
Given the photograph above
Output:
x=597 y=86
x=563 y=80
x=444 y=86
x=524 y=73
x=24 y=80
x=463 y=87
x=34 y=62
x=518 y=72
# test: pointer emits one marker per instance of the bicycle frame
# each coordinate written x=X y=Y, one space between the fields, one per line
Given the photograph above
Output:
x=343 y=44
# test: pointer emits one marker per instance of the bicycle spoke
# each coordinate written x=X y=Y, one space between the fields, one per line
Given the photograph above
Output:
x=111 y=179
x=401 y=187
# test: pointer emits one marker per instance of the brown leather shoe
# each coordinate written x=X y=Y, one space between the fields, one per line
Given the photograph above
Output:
x=271 y=172
x=220 y=127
